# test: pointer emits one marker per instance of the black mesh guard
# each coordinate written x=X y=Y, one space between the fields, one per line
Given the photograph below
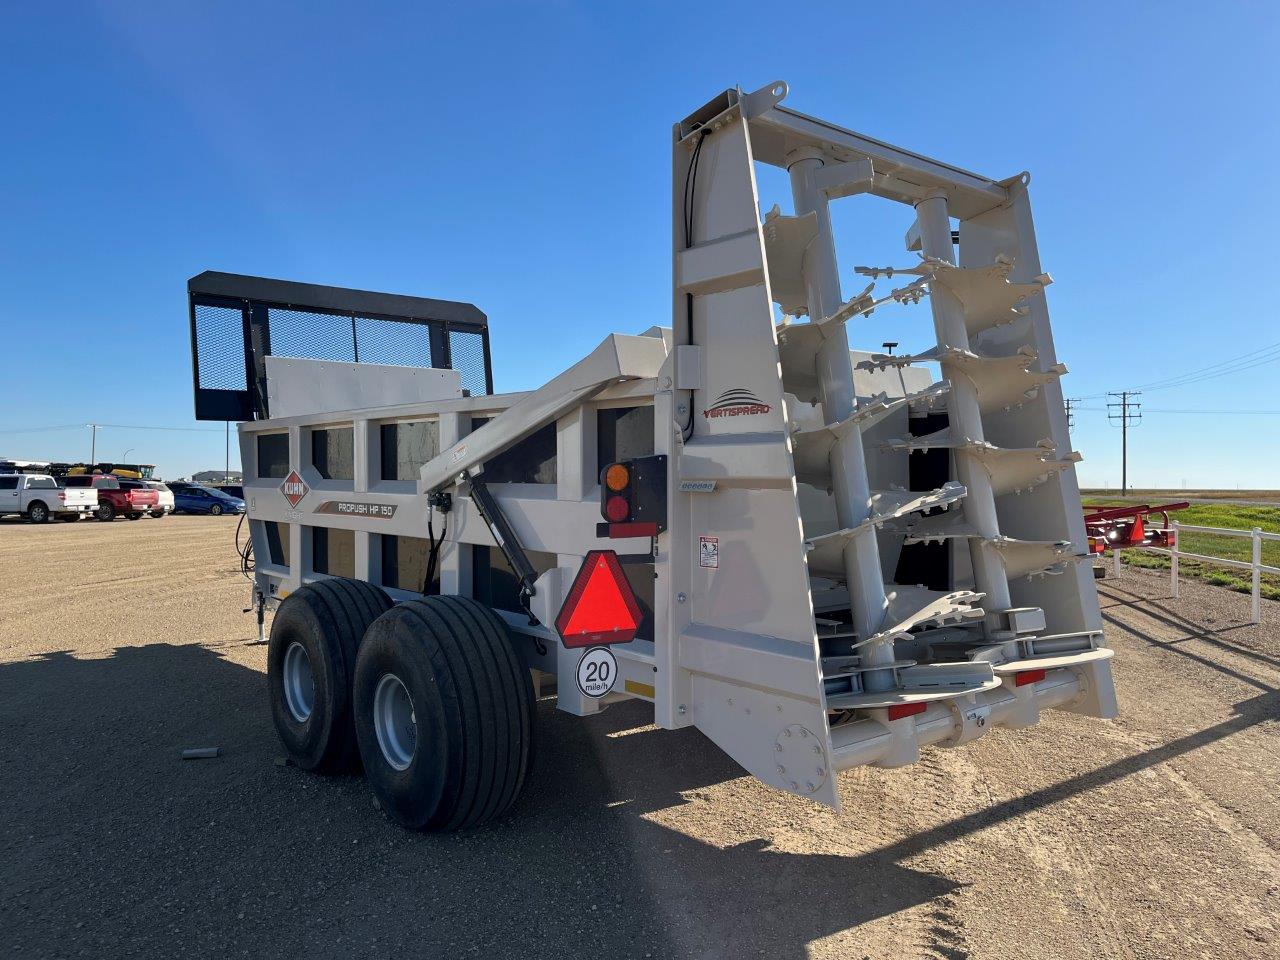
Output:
x=237 y=321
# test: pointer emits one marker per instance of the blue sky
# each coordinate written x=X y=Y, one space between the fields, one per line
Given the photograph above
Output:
x=517 y=156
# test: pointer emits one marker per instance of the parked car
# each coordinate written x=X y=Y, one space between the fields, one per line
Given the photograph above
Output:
x=38 y=497
x=195 y=498
x=167 y=502
x=114 y=500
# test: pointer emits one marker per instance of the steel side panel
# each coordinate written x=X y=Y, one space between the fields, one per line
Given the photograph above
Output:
x=617 y=357
x=303 y=387
x=747 y=652
x=749 y=724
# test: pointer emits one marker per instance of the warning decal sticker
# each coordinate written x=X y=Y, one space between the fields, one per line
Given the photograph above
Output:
x=709 y=551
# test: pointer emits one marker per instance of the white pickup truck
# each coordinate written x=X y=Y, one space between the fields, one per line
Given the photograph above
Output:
x=38 y=497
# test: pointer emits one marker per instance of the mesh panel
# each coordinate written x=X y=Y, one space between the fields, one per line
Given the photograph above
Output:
x=311 y=336
x=220 y=348
x=466 y=349
x=393 y=341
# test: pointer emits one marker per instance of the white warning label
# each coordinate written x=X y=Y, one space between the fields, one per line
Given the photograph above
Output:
x=597 y=672
x=708 y=551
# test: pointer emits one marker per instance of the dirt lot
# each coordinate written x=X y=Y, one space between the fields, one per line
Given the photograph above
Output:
x=1156 y=835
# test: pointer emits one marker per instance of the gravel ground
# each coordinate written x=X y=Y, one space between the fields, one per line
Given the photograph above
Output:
x=1156 y=835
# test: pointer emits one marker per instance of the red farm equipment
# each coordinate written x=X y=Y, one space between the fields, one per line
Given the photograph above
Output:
x=1130 y=526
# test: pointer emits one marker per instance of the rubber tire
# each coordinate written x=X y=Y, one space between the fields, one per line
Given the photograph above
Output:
x=215 y=510
x=134 y=516
x=71 y=518
x=328 y=618
x=38 y=512
x=159 y=516
x=474 y=706
x=105 y=512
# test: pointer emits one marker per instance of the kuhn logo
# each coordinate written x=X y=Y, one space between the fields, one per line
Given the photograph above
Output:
x=736 y=402
x=293 y=488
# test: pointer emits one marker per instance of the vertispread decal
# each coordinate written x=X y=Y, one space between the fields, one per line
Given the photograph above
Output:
x=736 y=402
x=294 y=488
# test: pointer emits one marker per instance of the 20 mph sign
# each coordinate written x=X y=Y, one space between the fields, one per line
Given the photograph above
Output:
x=597 y=672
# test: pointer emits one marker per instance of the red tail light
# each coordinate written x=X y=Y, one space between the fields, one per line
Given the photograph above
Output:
x=1025 y=677
x=616 y=509
x=62 y=497
x=900 y=710
x=634 y=492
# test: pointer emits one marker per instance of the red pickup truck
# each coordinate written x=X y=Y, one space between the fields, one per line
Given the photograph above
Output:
x=113 y=500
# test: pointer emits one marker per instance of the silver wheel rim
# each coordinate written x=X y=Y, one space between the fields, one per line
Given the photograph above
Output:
x=394 y=722
x=299 y=682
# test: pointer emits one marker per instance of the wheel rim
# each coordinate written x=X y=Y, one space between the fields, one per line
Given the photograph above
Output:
x=299 y=682
x=37 y=513
x=394 y=722
x=215 y=510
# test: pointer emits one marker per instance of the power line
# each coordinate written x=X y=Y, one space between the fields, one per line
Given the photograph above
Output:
x=136 y=426
x=1260 y=357
x=1220 y=413
x=1230 y=371
x=64 y=426
x=1252 y=355
x=117 y=426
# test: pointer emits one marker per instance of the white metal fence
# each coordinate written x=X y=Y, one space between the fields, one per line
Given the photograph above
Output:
x=1256 y=567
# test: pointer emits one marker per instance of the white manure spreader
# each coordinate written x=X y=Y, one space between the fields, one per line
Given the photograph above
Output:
x=819 y=558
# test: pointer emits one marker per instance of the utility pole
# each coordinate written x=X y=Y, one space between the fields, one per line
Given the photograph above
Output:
x=1071 y=417
x=93 y=444
x=1124 y=412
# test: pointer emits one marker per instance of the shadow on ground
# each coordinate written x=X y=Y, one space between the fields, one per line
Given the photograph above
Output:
x=115 y=846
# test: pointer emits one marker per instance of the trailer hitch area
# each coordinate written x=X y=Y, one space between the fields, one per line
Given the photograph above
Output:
x=509 y=543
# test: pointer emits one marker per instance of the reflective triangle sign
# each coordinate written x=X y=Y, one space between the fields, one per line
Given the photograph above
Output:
x=600 y=607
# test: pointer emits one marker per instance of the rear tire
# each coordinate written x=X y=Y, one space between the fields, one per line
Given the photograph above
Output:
x=215 y=510
x=458 y=754
x=105 y=512
x=311 y=659
x=38 y=512
x=135 y=516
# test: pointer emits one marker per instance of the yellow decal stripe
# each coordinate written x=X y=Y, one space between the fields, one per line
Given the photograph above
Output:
x=639 y=689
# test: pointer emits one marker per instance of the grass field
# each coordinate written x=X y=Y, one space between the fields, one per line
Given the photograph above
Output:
x=1231 y=516
x=1167 y=496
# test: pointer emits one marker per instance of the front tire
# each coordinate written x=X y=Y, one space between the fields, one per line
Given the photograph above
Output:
x=38 y=512
x=444 y=713
x=135 y=516
x=215 y=510
x=311 y=659
x=159 y=515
